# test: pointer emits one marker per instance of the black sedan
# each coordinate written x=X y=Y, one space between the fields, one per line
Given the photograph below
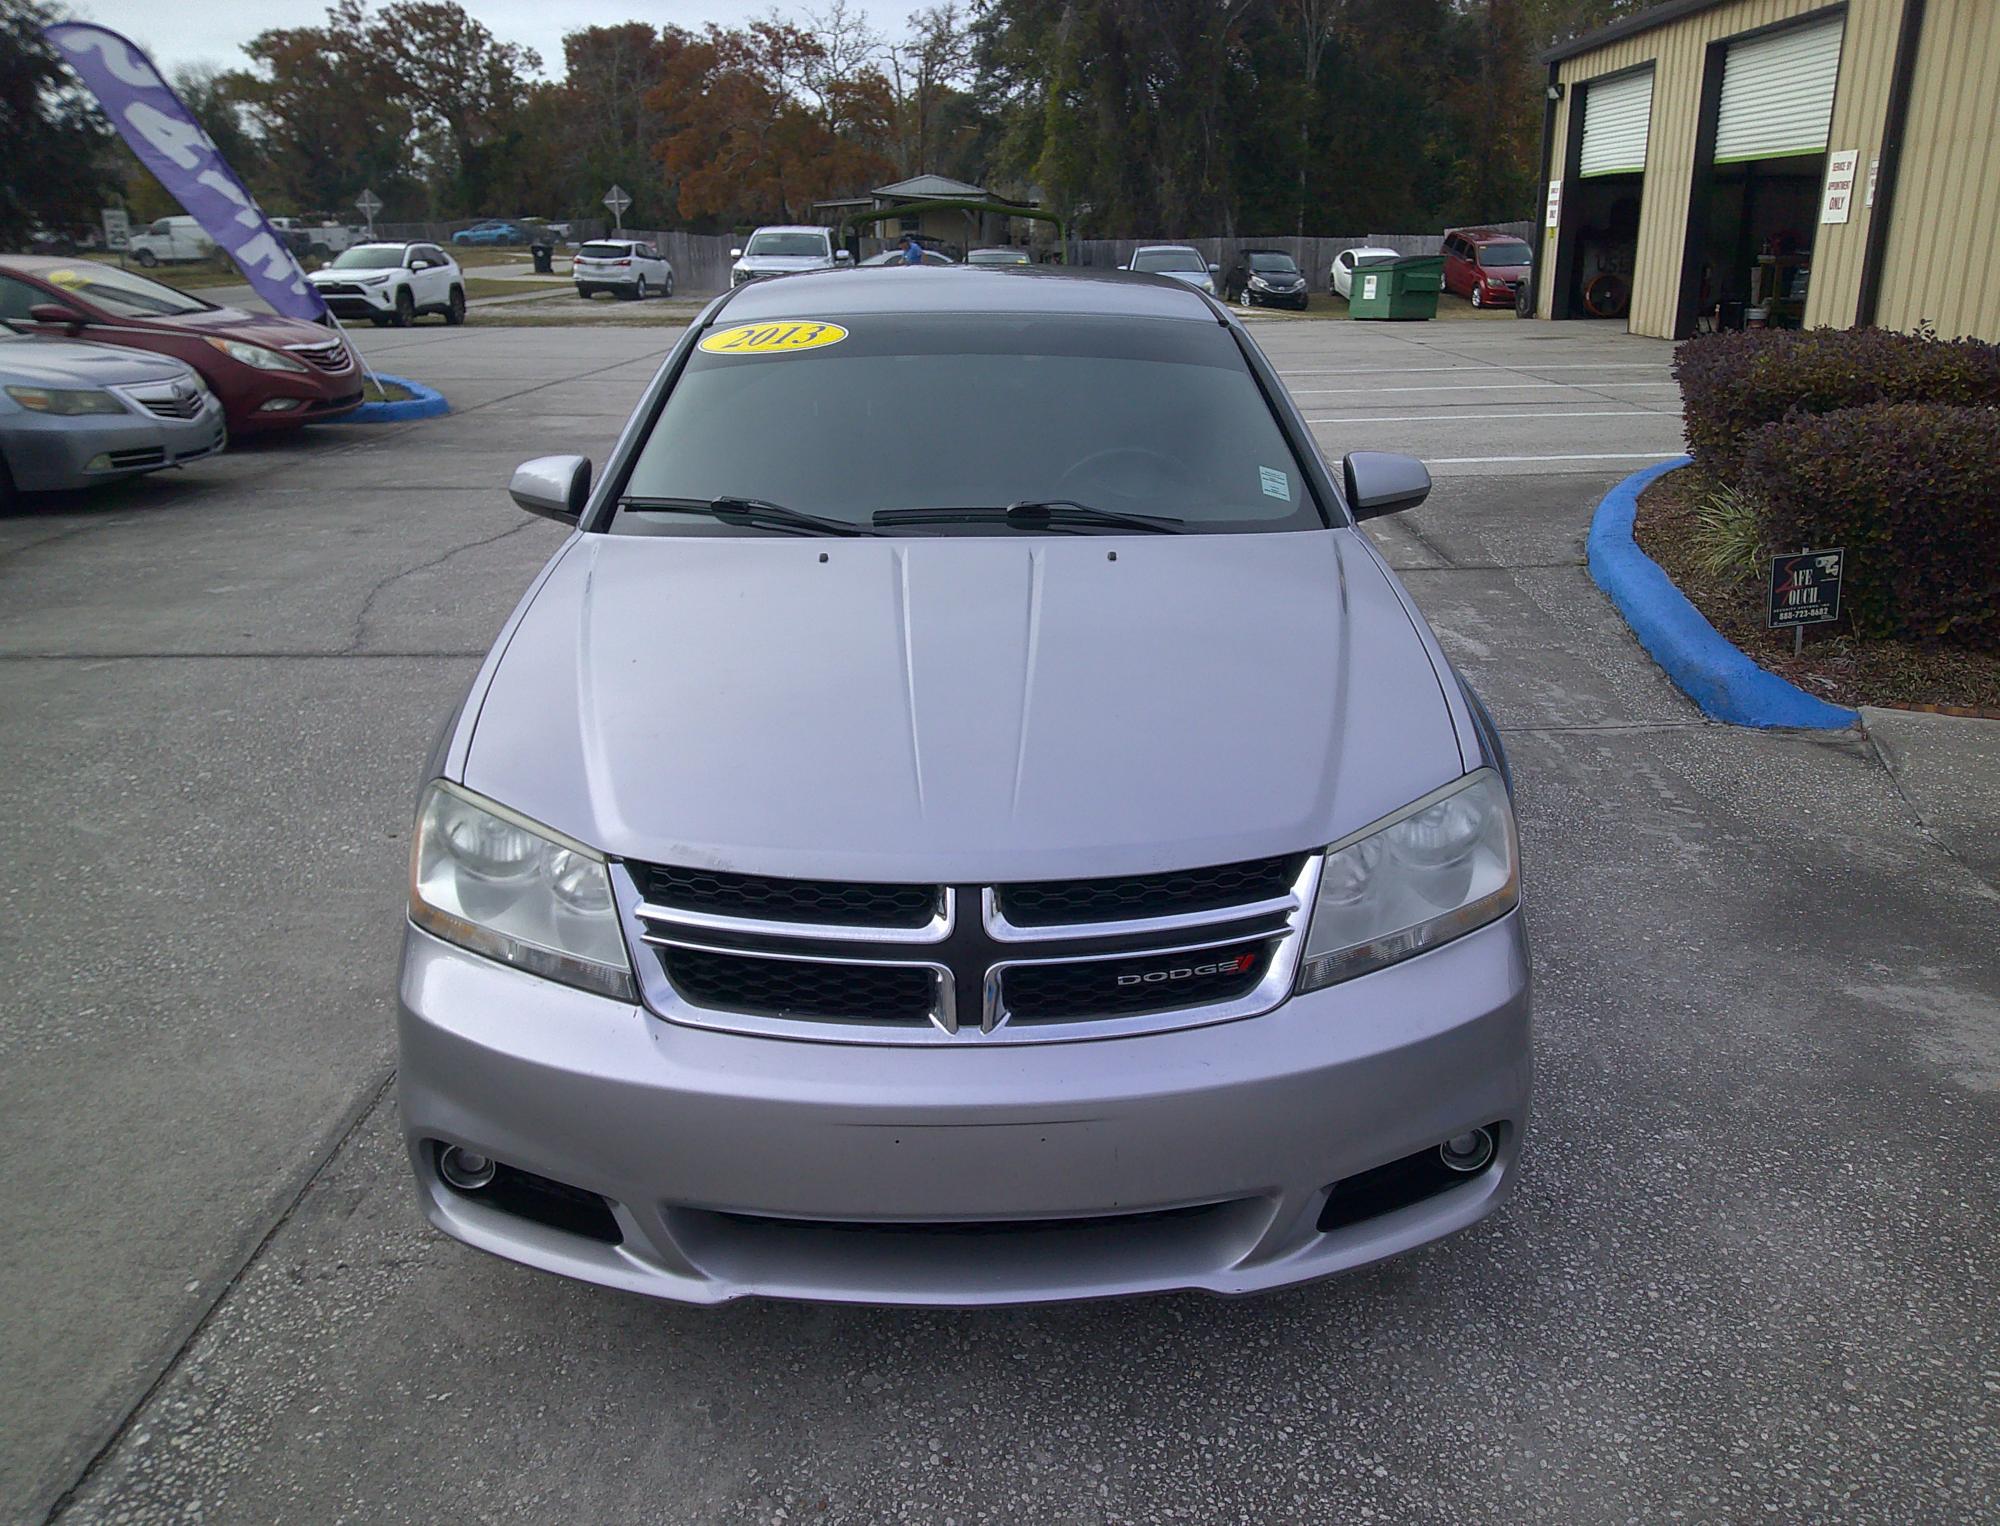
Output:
x=1267 y=277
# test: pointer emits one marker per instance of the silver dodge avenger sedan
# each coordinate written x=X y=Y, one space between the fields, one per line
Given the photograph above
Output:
x=966 y=818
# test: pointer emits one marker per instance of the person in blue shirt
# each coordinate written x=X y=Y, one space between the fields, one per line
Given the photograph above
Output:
x=913 y=252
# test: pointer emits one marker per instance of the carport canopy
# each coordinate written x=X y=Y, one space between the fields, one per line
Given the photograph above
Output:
x=854 y=220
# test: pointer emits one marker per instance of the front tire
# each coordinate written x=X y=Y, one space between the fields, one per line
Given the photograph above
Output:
x=147 y=258
x=1478 y=297
x=454 y=307
x=406 y=309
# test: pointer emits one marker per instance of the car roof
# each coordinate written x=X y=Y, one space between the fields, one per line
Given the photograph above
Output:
x=790 y=228
x=1487 y=235
x=1149 y=248
x=969 y=291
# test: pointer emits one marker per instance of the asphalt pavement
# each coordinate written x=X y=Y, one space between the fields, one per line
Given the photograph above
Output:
x=1747 y=1274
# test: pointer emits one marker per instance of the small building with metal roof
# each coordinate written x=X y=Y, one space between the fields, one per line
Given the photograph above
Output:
x=1724 y=163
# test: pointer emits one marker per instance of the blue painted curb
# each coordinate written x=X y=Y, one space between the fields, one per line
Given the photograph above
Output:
x=422 y=403
x=1711 y=671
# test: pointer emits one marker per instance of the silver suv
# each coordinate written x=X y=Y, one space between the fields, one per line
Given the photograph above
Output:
x=965 y=818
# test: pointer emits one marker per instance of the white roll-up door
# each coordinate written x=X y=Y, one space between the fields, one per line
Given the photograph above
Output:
x=1777 y=93
x=1616 y=114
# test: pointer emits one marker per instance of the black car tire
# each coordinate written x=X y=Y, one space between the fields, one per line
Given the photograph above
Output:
x=454 y=307
x=643 y=291
x=379 y=322
x=10 y=496
x=147 y=258
x=585 y=292
x=406 y=309
x=668 y=289
x=1477 y=299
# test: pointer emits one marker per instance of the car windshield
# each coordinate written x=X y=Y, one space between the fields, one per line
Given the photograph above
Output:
x=1504 y=254
x=605 y=252
x=369 y=257
x=1129 y=415
x=787 y=243
x=1274 y=264
x=1168 y=259
x=123 y=294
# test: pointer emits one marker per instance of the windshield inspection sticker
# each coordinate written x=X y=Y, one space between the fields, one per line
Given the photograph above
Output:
x=774 y=338
x=1276 y=483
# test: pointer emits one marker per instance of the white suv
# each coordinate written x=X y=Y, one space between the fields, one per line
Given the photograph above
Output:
x=392 y=283
x=782 y=251
x=624 y=267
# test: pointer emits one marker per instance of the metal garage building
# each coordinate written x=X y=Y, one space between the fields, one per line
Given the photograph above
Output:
x=1776 y=161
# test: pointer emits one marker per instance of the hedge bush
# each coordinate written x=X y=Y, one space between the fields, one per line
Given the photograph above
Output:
x=1733 y=384
x=1912 y=491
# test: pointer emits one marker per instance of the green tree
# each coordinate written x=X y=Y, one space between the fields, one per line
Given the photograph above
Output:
x=53 y=144
x=464 y=92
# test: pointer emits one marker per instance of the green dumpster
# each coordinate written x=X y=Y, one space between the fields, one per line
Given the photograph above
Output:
x=1404 y=287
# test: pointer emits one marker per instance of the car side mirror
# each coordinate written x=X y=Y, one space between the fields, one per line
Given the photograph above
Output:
x=1215 y=270
x=56 y=312
x=1379 y=482
x=555 y=487
x=842 y=257
x=736 y=254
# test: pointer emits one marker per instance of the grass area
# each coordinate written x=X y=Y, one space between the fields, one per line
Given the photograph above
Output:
x=1837 y=665
x=487 y=286
x=373 y=391
x=189 y=275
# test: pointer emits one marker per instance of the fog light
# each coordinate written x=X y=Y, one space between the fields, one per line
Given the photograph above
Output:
x=465 y=1171
x=280 y=404
x=101 y=462
x=1467 y=1152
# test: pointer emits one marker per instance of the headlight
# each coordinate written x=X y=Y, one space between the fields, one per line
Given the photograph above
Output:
x=1436 y=869
x=492 y=881
x=65 y=401
x=256 y=355
x=374 y=280
x=1260 y=283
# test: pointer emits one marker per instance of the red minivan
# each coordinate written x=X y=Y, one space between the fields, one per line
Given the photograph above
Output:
x=1485 y=266
x=269 y=372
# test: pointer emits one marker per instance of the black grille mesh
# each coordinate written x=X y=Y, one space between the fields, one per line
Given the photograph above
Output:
x=756 y=895
x=1054 y=992
x=800 y=988
x=1051 y=902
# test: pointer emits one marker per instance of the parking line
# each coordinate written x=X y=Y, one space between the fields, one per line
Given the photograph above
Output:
x=1482 y=365
x=1617 y=455
x=1528 y=386
x=1546 y=413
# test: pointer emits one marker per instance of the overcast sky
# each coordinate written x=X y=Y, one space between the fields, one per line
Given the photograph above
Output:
x=214 y=32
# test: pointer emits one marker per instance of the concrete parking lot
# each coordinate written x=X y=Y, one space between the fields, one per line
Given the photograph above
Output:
x=1748 y=1273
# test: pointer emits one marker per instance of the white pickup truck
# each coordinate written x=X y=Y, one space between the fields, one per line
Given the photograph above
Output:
x=320 y=238
x=169 y=239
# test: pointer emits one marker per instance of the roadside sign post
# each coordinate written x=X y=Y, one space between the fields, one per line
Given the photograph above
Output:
x=118 y=232
x=1805 y=590
x=368 y=204
x=617 y=201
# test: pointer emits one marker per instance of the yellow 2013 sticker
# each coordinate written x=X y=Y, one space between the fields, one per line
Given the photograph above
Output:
x=774 y=338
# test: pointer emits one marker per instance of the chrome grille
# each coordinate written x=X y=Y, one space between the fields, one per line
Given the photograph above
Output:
x=911 y=963
x=332 y=356
x=168 y=399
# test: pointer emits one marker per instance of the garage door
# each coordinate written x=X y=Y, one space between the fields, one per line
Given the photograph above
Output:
x=1615 y=117
x=1777 y=94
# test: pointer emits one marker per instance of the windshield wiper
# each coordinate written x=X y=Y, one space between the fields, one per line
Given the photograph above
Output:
x=751 y=511
x=1032 y=513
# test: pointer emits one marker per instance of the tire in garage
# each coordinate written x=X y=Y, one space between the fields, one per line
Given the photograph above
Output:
x=1607 y=294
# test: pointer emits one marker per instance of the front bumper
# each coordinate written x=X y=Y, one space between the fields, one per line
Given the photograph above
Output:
x=739 y=1166
x=48 y=453
x=362 y=301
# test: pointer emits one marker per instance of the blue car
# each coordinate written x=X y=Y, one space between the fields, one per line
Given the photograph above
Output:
x=493 y=231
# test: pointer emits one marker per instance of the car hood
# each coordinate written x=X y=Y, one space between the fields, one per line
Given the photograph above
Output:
x=1192 y=277
x=1504 y=272
x=964 y=709
x=1278 y=277
x=773 y=264
x=259 y=328
x=67 y=363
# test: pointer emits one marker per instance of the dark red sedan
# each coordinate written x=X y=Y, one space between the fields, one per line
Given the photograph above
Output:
x=269 y=372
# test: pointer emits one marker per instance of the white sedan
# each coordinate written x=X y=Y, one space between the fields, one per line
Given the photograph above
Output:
x=1341 y=282
x=625 y=267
